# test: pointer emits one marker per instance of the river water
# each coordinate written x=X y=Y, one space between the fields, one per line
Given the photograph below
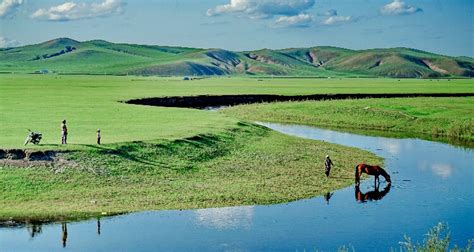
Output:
x=431 y=182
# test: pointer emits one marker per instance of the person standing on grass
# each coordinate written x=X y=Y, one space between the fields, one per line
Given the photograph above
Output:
x=63 y=132
x=328 y=164
x=98 y=136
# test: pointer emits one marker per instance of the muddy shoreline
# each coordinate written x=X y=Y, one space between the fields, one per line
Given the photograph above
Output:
x=206 y=101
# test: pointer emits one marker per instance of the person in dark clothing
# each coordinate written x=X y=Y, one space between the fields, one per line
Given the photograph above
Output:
x=328 y=164
x=98 y=136
x=63 y=132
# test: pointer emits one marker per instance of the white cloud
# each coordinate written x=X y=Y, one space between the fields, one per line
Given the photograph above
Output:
x=262 y=8
x=300 y=20
x=442 y=170
x=75 y=11
x=225 y=217
x=392 y=146
x=8 y=7
x=398 y=7
x=333 y=18
x=337 y=20
x=6 y=42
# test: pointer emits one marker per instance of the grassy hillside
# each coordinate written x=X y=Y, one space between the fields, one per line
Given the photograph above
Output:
x=68 y=56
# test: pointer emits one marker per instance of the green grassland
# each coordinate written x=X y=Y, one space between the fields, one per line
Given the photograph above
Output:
x=68 y=56
x=41 y=102
x=167 y=158
x=436 y=117
x=244 y=166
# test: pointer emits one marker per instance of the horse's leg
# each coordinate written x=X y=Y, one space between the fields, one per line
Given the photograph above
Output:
x=357 y=175
x=376 y=179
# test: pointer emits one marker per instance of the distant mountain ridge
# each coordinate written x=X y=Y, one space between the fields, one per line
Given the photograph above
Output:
x=68 y=56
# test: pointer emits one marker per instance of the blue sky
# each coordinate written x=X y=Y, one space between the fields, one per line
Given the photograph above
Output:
x=439 y=26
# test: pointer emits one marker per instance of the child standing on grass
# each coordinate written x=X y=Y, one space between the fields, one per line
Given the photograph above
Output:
x=98 y=136
x=328 y=164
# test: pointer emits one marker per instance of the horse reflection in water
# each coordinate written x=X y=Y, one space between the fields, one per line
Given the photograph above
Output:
x=372 y=195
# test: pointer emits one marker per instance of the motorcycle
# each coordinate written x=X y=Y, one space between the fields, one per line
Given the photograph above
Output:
x=33 y=137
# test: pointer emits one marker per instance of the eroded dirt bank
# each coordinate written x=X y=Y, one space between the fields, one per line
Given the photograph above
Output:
x=34 y=158
x=205 y=101
x=27 y=155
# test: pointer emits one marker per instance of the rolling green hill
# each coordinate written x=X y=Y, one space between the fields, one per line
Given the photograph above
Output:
x=68 y=56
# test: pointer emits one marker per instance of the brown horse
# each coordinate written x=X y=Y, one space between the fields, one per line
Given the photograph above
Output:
x=376 y=171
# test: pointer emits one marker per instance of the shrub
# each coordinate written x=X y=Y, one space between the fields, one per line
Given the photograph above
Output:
x=437 y=239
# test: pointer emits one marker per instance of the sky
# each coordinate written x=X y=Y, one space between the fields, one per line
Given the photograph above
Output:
x=439 y=26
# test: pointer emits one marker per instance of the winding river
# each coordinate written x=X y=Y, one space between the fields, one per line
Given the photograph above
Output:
x=431 y=182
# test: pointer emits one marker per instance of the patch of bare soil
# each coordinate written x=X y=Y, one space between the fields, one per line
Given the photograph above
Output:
x=435 y=67
x=19 y=158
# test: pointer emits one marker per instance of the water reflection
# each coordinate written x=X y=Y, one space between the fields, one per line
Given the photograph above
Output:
x=442 y=170
x=371 y=195
x=98 y=226
x=64 y=229
x=392 y=146
x=226 y=217
x=327 y=197
x=34 y=229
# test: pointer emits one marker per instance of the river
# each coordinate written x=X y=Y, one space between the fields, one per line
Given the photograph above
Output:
x=431 y=182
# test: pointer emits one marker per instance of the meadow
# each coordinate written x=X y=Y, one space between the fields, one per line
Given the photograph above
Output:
x=450 y=118
x=41 y=102
x=245 y=166
x=169 y=158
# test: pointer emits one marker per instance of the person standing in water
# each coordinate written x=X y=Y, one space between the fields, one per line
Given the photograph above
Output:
x=63 y=132
x=98 y=136
x=328 y=164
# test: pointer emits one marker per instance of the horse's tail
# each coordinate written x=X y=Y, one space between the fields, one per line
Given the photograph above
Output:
x=385 y=175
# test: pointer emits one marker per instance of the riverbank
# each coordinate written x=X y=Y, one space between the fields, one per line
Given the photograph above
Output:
x=424 y=174
x=435 y=117
x=165 y=158
x=247 y=165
